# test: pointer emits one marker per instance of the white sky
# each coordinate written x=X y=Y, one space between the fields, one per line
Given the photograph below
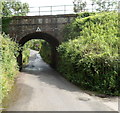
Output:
x=48 y=2
x=37 y=3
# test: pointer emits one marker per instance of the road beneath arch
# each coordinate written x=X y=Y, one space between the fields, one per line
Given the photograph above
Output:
x=40 y=88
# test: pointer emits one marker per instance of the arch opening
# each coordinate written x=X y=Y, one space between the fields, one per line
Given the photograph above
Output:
x=54 y=43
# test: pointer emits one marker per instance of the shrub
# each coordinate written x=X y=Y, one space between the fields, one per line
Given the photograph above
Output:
x=71 y=31
x=45 y=52
x=5 y=23
x=91 y=58
x=25 y=55
x=8 y=65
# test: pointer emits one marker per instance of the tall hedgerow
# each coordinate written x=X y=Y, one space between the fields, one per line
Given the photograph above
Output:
x=8 y=65
x=90 y=58
x=45 y=52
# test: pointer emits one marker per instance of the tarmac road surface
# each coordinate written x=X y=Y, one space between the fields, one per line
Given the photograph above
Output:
x=40 y=88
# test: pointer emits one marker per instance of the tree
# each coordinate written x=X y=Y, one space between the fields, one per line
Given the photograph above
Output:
x=105 y=5
x=14 y=8
x=0 y=9
x=79 y=5
x=0 y=17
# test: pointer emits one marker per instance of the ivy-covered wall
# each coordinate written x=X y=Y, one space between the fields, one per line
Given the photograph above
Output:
x=5 y=23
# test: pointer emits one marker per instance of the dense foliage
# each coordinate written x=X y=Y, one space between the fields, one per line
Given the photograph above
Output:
x=9 y=9
x=25 y=54
x=45 y=52
x=8 y=48
x=105 y=5
x=95 y=5
x=13 y=8
x=71 y=31
x=5 y=23
x=79 y=5
x=90 y=58
x=0 y=9
x=8 y=65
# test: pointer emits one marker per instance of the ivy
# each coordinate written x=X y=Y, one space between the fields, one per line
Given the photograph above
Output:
x=89 y=57
x=5 y=23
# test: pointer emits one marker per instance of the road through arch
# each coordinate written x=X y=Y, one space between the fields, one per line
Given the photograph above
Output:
x=54 y=43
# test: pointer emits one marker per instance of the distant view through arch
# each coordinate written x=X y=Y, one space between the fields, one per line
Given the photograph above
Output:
x=54 y=43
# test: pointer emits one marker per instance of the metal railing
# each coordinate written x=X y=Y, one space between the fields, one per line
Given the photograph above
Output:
x=65 y=9
x=51 y=10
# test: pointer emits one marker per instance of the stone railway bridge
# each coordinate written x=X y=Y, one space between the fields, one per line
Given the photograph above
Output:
x=48 y=28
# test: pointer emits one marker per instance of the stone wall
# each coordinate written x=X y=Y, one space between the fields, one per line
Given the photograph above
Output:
x=52 y=25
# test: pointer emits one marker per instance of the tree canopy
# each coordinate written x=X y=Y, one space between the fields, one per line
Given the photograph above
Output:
x=105 y=5
x=14 y=8
x=100 y=5
x=79 y=5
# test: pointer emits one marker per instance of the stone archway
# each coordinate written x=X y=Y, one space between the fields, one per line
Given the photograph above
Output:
x=40 y=35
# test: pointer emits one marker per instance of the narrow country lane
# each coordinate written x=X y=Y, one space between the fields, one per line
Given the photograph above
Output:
x=40 y=88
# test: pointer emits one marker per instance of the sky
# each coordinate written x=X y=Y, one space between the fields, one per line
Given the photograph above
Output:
x=38 y=3
x=48 y=2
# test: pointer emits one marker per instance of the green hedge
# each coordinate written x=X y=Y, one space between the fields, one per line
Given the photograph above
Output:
x=8 y=65
x=45 y=52
x=71 y=31
x=25 y=55
x=90 y=58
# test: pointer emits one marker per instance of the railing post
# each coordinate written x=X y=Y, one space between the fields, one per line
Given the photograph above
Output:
x=64 y=9
x=51 y=10
x=39 y=11
x=92 y=6
x=118 y=7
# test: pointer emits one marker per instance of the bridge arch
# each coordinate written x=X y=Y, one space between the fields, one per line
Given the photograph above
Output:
x=54 y=43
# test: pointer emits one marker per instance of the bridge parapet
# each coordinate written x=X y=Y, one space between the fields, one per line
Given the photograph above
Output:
x=51 y=24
